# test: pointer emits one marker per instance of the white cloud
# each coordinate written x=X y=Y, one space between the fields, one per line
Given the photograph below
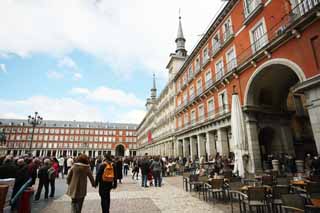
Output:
x=50 y=109
x=124 y=33
x=114 y=96
x=77 y=76
x=54 y=74
x=67 y=62
x=66 y=109
x=3 y=68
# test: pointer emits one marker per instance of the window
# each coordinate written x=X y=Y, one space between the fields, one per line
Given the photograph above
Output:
x=56 y=131
x=185 y=79
x=62 y=131
x=208 y=79
x=201 y=112
x=315 y=43
x=258 y=36
x=178 y=101
x=231 y=59
x=227 y=29
x=216 y=44
x=219 y=69
x=223 y=101
x=205 y=55
x=250 y=6
x=197 y=65
x=199 y=86
x=191 y=92
x=185 y=97
x=190 y=72
x=47 y=131
x=193 y=116
x=71 y=131
x=51 y=131
x=186 y=120
x=210 y=107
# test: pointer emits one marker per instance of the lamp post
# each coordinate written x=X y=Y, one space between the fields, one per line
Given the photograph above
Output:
x=34 y=121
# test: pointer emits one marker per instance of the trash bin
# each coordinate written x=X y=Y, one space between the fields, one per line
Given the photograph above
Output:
x=25 y=202
x=3 y=195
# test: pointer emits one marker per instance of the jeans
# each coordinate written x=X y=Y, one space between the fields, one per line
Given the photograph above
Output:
x=61 y=171
x=46 y=190
x=144 y=180
x=52 y=187
x=105 y=202
x=157 y=178
x=125 y=170
x=76 y=205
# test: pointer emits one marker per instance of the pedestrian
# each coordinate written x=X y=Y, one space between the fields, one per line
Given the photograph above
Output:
x=77 y=182
x=145 y=164
x=125 y=166
x=43 y=180
x=8 y=169
x=135 y=169
x=69 y=163
x=61 y=163
x=53 y=172
x=119 y=169
x=156 y=171
x=32 y=170
x=106 y=180
x=92 y=164
x=98 y=162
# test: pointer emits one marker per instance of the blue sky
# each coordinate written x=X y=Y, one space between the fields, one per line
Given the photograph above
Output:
x=89 y=60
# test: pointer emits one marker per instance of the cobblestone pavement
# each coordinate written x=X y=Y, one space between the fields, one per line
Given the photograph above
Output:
x=132 y=198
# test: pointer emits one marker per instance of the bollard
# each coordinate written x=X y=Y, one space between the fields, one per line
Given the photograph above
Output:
x=26 y=199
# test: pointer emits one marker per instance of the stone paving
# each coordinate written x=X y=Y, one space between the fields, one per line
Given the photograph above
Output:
x=132 y=198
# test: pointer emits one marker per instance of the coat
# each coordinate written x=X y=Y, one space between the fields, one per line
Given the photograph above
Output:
x=77 y=180
x=105 y=187
x=119 y=169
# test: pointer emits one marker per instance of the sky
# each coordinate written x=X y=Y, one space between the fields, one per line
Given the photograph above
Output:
x=90 y=60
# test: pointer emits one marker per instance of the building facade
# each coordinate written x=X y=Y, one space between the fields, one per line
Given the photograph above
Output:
x=56 y=138
x=155 y=134
x=268 y=52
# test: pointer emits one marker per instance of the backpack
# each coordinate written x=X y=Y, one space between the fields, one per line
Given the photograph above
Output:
x=51 y=173
x=108 y=173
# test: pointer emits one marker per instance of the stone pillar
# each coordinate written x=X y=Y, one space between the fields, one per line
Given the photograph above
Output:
x=222 y=142
x=313 y=104
x=180 y=148
x=211 y=144
x=253 y=144
x=193 y=147
x=201 y=145
x=186 y=149
x=287 y=139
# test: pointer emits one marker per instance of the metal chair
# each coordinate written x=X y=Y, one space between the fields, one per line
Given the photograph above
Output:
x=193 y=181
x=292 y=203
x=185 y=178
x=202 y=189
x=240 y=198
x=257 y=199
x=267 y=180
x=216 y=188
x=276 y=201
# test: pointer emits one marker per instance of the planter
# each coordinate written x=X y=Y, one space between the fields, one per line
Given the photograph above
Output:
x=300 y=166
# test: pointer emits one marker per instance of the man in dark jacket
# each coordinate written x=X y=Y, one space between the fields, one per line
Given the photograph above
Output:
x=32 y=170
x=145 y=165
x=8 y=169
x=43 y=180
x=105 y=187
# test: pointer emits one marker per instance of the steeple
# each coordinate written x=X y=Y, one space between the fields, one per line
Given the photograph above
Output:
x=180 y=40
x=154 y=89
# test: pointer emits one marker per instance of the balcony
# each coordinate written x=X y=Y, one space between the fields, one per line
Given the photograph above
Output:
x=228 y=36
x=219 y=73
x=197 y=67
x=232 y=64
x=199 y=91
x=205 y=61
x=303 y=7
x=251 y=10
x=192 y=96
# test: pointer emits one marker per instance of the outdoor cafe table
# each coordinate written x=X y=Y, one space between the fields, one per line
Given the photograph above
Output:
x=315 y=202
x=299 y=183
x=245 y=188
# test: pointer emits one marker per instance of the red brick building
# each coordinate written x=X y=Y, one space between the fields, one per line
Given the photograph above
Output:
x=55 y=138
x=268 y=51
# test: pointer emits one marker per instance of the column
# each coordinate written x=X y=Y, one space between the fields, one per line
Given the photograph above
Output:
x=211 y=145
x=313 y=103
x=253 y=144
x=185 y=147
x=201 y=145
x=180 y=148
x=193 y=147
x=222 y=142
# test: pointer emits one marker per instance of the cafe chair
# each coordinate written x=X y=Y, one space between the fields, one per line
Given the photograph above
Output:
x=257 y=199
x=193 y=181
x=216 y=188
x=201 y=186
x=185 y=178
x=276 y=201
x=313 y=190
x=293 y=203
x=267 y=180
x=239 y=198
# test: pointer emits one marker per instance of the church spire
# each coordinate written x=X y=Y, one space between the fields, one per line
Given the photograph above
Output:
x=180 y=40
x=154 y=89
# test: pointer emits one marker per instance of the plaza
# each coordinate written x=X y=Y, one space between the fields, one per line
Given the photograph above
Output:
x=132 y=198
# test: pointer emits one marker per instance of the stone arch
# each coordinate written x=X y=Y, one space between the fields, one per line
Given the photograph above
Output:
x=120 y=150
x=273 y=62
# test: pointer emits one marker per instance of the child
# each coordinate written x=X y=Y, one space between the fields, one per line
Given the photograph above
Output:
x=150 y=177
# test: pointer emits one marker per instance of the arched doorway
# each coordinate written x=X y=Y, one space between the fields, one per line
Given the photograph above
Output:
x=282 y=119
x=120 y=150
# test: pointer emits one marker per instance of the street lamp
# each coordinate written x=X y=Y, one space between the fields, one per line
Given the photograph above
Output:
x=34 y=121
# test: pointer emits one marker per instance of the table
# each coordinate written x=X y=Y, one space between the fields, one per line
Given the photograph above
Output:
x=300 y=183
x=244 y=189
x=315 y=202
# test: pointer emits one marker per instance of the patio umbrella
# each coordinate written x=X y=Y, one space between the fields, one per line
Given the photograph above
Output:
x=238 y=135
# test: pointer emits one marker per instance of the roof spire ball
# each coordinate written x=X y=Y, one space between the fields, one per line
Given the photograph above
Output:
x=180 y=40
